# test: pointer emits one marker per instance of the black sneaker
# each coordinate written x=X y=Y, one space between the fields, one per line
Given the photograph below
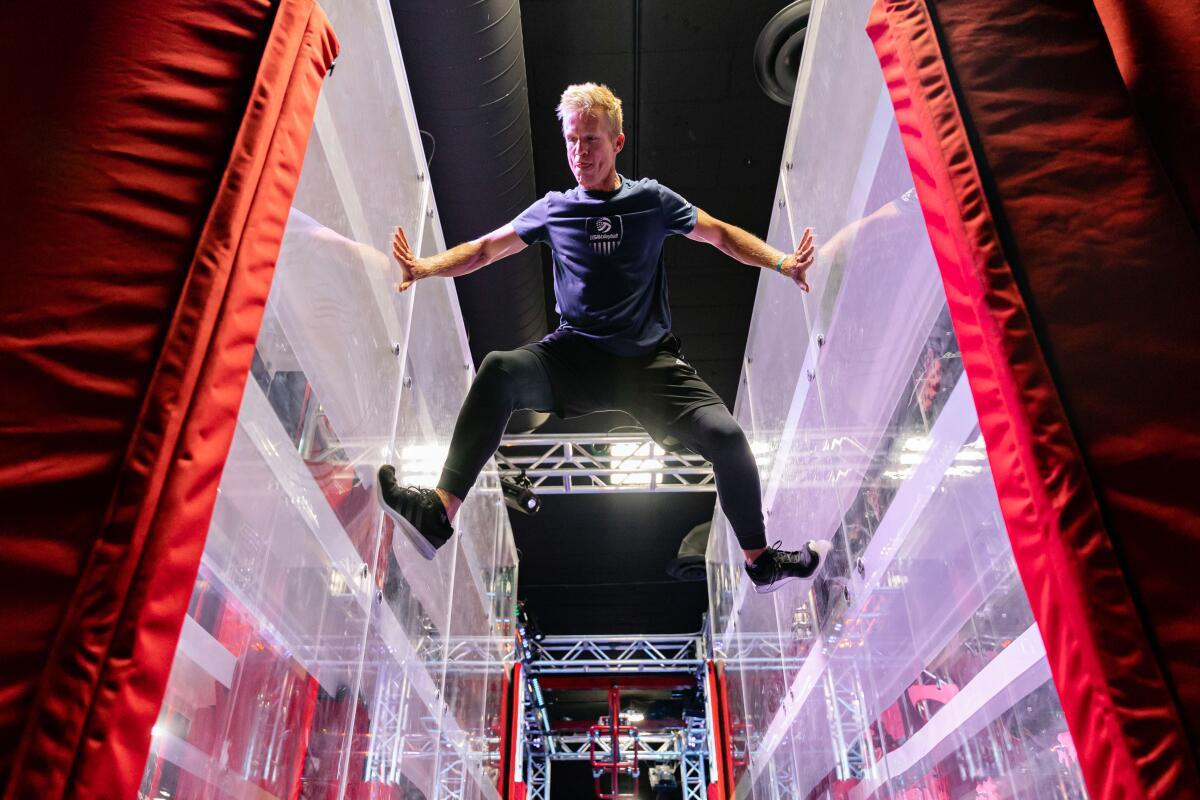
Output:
x=776 y=567
x=418 y=512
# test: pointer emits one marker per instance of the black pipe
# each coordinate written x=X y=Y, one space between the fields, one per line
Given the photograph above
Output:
x=466 y=70
x=465 y=61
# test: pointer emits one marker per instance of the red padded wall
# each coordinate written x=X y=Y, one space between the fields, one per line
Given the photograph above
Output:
x=150 y=152
x=1156 y=44
x=1069 y=263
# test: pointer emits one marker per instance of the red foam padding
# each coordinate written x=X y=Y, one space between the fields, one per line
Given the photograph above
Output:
x=1156 y=45
x=153 y=161
x=1062 y=250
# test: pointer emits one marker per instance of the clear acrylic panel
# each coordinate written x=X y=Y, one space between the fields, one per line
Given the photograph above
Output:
x=321 y=655
x=912 y=666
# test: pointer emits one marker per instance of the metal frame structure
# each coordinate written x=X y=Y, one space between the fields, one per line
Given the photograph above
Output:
x=626 y=660
x=537 y=777
x=600 y=463
x=651 y=746
x=604 y=739
x=696 y=750
x=452 y=781
x=632 y=462
x=616 y=654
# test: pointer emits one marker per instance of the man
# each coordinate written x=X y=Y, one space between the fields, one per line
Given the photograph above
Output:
x=614 y=348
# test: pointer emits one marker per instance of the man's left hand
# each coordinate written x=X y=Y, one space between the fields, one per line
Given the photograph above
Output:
x=797 y=264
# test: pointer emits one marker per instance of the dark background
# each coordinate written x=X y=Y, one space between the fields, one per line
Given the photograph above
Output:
x=696 y=120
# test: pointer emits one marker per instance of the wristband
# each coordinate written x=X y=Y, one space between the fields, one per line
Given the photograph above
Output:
x=779 y=266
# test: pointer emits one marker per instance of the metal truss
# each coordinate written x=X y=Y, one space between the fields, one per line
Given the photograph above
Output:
x=613 y=655
x=695 y=787
x=597 y=463
x=537 y=778
x=389 y=744
x=851 y=736
x=691 y=764
x=766 y=652
x=616 y=654
x=657 y=746
x=452 y=779
x=783 y=782
x=469 y=653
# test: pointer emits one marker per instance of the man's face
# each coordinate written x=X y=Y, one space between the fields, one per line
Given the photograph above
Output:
x=592 y=150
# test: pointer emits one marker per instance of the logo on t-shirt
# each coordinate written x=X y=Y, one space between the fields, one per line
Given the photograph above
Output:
x=604 y=234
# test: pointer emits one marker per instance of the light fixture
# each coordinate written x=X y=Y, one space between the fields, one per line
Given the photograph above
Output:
x=518 y=494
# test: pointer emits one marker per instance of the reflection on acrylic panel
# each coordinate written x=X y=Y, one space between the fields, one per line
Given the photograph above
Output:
x=912 y=668
x=321 y=656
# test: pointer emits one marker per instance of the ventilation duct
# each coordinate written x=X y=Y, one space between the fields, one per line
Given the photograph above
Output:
x=777 y=51
x=465 y=61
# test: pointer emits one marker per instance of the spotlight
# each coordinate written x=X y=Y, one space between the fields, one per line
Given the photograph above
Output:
x=518 y=494
x=662 y=776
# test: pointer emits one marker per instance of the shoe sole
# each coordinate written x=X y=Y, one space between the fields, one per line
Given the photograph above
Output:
x=822 y=548
x=422 y=545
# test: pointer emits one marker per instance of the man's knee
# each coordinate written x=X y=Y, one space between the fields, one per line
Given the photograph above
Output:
x=714 y=430
x=495 y=373
x=510 y=373
x=728 y=436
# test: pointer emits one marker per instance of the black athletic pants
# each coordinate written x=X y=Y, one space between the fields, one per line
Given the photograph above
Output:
x=571 y=377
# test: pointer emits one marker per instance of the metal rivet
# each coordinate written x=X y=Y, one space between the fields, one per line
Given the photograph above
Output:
x=420 y=175
x=379 y=598
x=781 y=203
x=788 y=165
x=862 y=568
x=810 y=374
x=408 y=381
x=395 y=349
x=429 y=213
x=820 y=340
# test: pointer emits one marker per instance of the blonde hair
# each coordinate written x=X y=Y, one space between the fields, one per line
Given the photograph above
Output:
x=592 y=98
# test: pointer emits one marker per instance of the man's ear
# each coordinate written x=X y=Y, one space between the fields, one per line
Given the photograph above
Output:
x=618 y=143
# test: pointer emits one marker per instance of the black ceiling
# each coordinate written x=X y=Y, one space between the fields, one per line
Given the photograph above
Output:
x=696 y=121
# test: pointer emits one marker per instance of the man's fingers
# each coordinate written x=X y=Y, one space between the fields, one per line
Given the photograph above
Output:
x=400 y=247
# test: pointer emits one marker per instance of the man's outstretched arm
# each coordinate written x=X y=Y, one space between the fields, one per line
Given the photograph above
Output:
x=747 y=248
x=461 y=260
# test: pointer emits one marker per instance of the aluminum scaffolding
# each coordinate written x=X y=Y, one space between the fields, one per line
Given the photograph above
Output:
x=558 y=659
x=666 y=747
x=537 y=777
x=597 y=463
x=696 y=741
x=616 y=654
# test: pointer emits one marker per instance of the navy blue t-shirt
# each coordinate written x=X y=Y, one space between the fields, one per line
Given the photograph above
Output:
x=609 y=278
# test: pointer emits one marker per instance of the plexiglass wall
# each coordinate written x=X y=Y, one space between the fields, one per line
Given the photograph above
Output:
x=913 y=667
x=322 y=657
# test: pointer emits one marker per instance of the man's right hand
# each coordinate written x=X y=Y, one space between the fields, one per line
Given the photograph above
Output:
x=409 y=264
